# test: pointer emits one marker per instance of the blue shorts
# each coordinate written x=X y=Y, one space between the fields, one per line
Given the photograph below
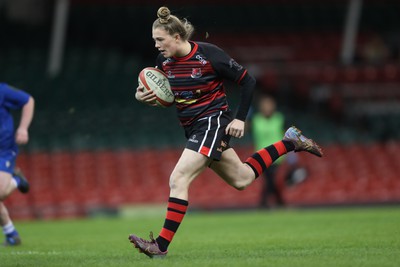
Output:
x=7 y=161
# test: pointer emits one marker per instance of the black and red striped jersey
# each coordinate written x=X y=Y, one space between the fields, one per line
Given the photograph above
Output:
x=197 y=80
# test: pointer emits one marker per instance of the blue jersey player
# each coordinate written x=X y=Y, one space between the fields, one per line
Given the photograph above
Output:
x=10 y=138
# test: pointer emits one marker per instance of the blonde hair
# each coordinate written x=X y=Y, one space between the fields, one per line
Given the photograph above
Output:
x=173 y=24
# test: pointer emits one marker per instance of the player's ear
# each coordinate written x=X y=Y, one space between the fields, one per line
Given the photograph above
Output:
x=177 y=37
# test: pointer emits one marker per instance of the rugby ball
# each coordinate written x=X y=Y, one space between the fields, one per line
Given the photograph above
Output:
x=156 y=80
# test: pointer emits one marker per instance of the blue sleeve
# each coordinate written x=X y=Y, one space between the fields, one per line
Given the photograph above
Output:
x=12 y=98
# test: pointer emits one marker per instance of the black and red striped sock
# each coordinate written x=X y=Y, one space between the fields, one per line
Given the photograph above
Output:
x=263 y=158
x=175 y=212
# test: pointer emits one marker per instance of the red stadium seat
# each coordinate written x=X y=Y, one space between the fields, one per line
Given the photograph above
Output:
x=71 y=184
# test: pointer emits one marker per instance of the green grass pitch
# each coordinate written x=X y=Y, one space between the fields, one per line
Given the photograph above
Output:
x=327 y=237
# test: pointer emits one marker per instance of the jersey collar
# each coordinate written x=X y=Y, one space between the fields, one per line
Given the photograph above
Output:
x=188 y=56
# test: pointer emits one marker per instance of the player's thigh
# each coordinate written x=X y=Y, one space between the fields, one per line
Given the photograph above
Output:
x=189 y=165
x=5 y=182
x=231 y=169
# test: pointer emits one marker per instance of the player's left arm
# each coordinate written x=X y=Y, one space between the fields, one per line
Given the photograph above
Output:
x=229 y=69
x=21 y=134
x=236 y=127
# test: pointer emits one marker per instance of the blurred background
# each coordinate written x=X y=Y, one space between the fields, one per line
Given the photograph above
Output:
x=333 y=66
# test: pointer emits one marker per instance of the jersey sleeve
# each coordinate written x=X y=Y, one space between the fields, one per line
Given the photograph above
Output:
x=12 y=97
x=224 y=65
x=229 y=69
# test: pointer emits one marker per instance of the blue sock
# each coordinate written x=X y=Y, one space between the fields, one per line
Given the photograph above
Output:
x=12 y=236
x=9 y=230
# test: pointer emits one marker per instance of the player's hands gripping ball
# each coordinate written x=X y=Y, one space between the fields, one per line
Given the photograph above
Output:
x=154 y=88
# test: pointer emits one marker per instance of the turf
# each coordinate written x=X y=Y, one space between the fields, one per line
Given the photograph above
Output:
x=331 y=237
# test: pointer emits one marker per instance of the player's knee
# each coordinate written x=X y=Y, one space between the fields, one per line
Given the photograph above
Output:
x=177 y=181
x=240 y=187
x=4 y=187
x=241 y=184
x=3 y=195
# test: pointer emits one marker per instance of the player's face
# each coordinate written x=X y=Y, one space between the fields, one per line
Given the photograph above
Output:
x=267 y=106
x=164 y=42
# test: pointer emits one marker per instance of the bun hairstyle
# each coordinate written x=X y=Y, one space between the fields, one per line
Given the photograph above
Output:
x=172 y=24
x=163 y=14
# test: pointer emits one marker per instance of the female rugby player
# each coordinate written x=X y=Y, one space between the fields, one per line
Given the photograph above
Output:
x=196 y=71
x=11 y=98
